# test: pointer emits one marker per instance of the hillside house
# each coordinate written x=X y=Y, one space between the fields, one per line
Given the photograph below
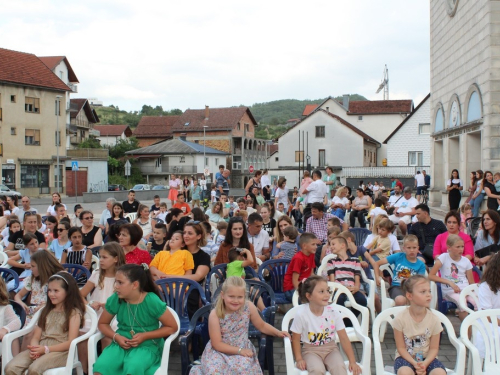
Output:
x=109 y=135
x=152 y=129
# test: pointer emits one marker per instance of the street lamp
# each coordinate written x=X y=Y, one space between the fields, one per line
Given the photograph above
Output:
x=58 y=139
x=308 y=158
x=204 y=158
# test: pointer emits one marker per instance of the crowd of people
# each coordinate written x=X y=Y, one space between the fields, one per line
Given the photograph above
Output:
x=137 y=245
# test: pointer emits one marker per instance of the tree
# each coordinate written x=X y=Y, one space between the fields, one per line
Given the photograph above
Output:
x=90 y=143
x=122 y=146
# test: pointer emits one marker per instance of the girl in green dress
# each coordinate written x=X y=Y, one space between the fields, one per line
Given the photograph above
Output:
x=137 y=345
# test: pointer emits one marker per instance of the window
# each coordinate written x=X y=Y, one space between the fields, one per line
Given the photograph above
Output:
x=276 y=158
x=34 y=176
x=239 y=128
x=12 y=98
x=474 y=109
x=439 y=122
x=12 y=131
x=58 y=138
x=321 y=158
x=415 y=158
x=299 y=156
x=216 y=161
x=32 y=105
x=183 y=159
x=360 y=118
x=32 y=137
x=158 y=162
x=424 y=128
x=58 y=108
x=320 y=132
x=206 y=162
x=59 y=179
x=247 y=127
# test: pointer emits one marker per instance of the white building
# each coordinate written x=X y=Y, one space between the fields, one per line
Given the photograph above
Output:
x=109 y=135
x=410 y=143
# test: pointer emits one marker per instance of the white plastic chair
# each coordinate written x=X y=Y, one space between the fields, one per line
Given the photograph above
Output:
x=337 y=289
x=434 y=295
x=3 y=260
x=95 y=263
x=163 y=369
x=324 y=263
x=469 y=291
x=360 y=336
x=71 y=363
x=484 y=323
x=131 y=216
x=387 y=316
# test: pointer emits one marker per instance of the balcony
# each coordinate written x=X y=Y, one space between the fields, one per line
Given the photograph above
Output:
x=163 y=170
x=88 y=153
x=76 y=139
x=73 y=87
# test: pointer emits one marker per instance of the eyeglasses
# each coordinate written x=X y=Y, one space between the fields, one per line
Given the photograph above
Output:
x=61 y=229
x=30 y=213
x=194 y=221
x=88 y=218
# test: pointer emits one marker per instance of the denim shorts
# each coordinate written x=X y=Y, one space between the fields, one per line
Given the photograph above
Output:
x=401 y=362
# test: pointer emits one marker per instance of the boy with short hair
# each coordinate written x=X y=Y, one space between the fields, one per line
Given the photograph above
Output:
x=302 y=264
x=405 y=264
x=162 y=214
x=281 y=208
x=131 y=205
x=238 y=260
x=195 y=193
x=155 y=208
x=182 y=204
x=288 y=247
x=333 y=222
x=378 y=210
x=159 y=239
x=221 y=236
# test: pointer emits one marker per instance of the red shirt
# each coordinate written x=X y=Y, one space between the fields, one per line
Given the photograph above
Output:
x=138 y=256
x=183 y=206
x=301 y=264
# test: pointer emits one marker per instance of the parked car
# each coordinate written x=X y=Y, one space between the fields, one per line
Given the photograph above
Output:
x=4 y=190
x=141 y=187
x=159 y=187
x=116 y=187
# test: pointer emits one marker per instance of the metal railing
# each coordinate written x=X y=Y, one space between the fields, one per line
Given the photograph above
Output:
x=88 y=153
x=377 y=172
x=176 y=169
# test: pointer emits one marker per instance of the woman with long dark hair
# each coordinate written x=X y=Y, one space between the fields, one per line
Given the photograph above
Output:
x=490 y=191
x=454 y=186
x=236 y=236
x=488 y=235
x=478 y=194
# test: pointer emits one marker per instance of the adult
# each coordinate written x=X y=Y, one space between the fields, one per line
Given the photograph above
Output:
x=283 y=222
x=222 y=184
x=454 y=186
x=317 y=222
x=12 y=205
x=107 y=213
x=258 y=237
x=265 y=182
x=61 y=241
x=426 y=229
x=26 y=207
x=404 y=210
x=478 y=195
x=419 y=184
x=490 y=191
x=131 y=205
x=130 y=235
x=330 y=180
x=92 y=235
x=362 y=185
x=395 y=182
x=427 y=179
x=452 y=222
x=30 y=225
x=489 y=235
x=340 y=203
x=472 y=186
x=395 y=197
x=203 y=185
x=359 y=208
x=281 y=195
x=236 y=236
x=253 y=182
x=376 y=189
x=315 y=192
x=56 y=199
x=174 y=186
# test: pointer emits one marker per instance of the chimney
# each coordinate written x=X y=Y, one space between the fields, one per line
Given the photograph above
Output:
x=345 y=102
x=328 y=109
x=207 y=112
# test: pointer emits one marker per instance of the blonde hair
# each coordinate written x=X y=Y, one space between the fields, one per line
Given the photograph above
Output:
x=465 y=206
x=340 y=191
x=453 y=239
x=232 y=281
x=4 y=295
x=243 y=214
x=409 y=238
x=376 y=222
x=386 y=224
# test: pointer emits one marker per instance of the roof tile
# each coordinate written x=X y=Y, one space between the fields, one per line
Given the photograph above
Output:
x=155 y=126
x=218 y=119
x=53 y=61
x=113 y=130
x=371 y=107
x=309 y=108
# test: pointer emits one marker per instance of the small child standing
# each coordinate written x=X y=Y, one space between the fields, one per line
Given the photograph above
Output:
x=320 y=352
x=213 y=195
x=195 y=194
x=302 y=264
x=456 y=272
x=230 y=320
x=238 y=260
x=173 y=261
x=381 y=245
x=288 y=247
x=417 y=331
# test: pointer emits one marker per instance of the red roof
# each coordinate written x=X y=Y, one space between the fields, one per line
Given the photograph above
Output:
x=113 y=130
x=155 y=126
x=273 y=148
x=53 y=61
x=372 y=107
x=27 y=69
x=76 y=105
x=309 y=108
x=218 y=119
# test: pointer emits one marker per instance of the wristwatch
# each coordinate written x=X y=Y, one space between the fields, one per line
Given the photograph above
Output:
x=239 y=350
x=47 y=350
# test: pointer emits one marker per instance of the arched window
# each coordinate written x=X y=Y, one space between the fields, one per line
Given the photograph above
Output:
x=439 y=122
x=474 y=107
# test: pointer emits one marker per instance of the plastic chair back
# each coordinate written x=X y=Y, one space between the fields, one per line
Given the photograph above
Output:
x=215 y=278
x=19 y=310
x=8 y=275
x=79 y=272
x=471 y=292
x=3 y=259
x=324 y=265
x=277 y=269
x=360 y=234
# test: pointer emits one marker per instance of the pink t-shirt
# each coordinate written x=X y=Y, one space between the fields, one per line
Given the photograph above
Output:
x=440 y=244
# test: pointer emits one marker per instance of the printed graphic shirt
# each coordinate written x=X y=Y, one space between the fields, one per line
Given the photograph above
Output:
x=317 y=330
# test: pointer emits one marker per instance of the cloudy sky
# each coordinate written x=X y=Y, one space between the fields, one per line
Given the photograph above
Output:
x=187 y=54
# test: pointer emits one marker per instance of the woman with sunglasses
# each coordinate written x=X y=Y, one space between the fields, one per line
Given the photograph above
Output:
x=61 y=241
x=92 y=235
x=236 y=236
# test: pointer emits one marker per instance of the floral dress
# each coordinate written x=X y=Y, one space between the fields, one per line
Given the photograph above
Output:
x=234 y=332
x=38 y=296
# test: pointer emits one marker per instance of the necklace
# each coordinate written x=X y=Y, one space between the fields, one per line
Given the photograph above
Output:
x=133 y=315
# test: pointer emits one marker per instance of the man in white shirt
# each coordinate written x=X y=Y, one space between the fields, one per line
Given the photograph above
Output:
x=404 y=210
x=315 y=192
x=397 y=196
x=258 y=237
x=419 y=184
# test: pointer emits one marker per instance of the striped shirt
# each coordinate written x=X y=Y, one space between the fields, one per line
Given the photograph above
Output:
x=344 y=270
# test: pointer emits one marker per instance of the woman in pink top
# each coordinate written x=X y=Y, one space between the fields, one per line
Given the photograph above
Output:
x=174 y=189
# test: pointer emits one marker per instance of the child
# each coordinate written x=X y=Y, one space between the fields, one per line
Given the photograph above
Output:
x=320 y=352
x=117 y=215
x=155 y=207
x=417 y=331
x=465 y=213
x=281 y=208
x=138 y=343
x=9 y=321
x=394 y=240
x=456 y=272
x=288 y=247
x=326 y=249
x=75 y=221
x=306 y=181
x=57 y=327
x=62 y=241
x=405 y=265
x=24 y=255
x=195 y=194
x=145 y=222
x=213 y=194
x=346 y=270
x=159 y=239
x=238 y=260
x=374 y=212
x=77 y=253
x=174 y=261
x=302 y=264
x=229 y=347
x=381 y=245
x=333 y=222
x=14 y=226
x=222 y=229
x=182 y=204
x=163 y=212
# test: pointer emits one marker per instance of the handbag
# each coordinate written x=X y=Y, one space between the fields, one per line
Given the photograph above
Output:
x=391 y=209
x=488 y=250
x=428 y=251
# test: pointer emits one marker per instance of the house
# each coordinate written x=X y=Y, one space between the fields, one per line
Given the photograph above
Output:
x=29 y=92
x=177 y=156
x=410 y=143
x=152 y=129
x=83 y=118
x=231 y=130
x=110 y=134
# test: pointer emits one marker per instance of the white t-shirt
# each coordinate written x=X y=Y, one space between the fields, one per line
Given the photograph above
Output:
x=377 y=211
x=406 y=205
x=376 y=188
x=52 y=211
x=282 y=195
x=265 y=180
x=316 y=191
x=213 y=194
x=394 y=198
x=392 y=237
x=455 y=181
x=420 y=179
x=259 y=242
x=454 y=271
x=342 y=201
x=317 y=330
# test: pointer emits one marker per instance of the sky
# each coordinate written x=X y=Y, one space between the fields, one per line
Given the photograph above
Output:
x=188 y=54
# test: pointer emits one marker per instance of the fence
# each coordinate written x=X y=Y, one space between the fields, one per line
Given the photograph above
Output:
x=380 y=172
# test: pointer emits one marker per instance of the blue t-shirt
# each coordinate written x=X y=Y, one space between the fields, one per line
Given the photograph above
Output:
x=404 y=269
x=58 y=249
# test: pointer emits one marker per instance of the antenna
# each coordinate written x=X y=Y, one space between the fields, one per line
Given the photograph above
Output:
x=384 y=84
